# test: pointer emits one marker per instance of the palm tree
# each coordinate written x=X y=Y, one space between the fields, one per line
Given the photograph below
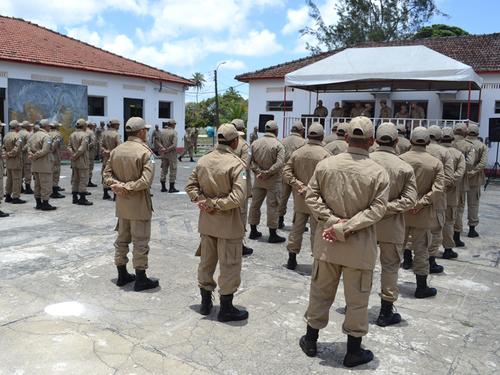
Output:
x=199 y=82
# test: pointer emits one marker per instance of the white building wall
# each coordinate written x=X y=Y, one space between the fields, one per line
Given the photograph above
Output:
x=113 y=87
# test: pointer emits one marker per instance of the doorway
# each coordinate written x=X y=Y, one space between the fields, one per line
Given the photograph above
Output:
x=132 y=108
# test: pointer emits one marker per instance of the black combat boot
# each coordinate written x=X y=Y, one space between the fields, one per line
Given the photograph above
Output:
x=472 y=232
x=90 y=184
x=387 y=315
x=449 y=254
x=3 y=214
x=229 y=313
x=172 y=188
x=292 y=261
x=434 y=267
x=86 y=193
x=8 y=198
x=17 y=201
x=83 y=200
x=274 y=238
x=355 y=355
x=142 y=282
x=22 y=189
x=28 y=190
x=308 y=341
x=254 y=233
x=38 y=203
x=106 y=195
x=163 y=187
x=423 y=291
x=179 y=158
x=245 y=250
x=123 y=276
x=75 y=198
x=206 y=302
x=407 y=260
x=55 y=193
x=458 y=241
x=59 y=188
x=281 y=222
x=47 y=207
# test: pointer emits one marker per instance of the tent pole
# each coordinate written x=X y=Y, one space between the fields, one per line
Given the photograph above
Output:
x=479 y=105
x=284 y=110
x=468 y=103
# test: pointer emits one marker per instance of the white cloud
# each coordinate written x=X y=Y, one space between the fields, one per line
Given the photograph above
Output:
x=256 y=43
x=296 y=20
x=233 y=65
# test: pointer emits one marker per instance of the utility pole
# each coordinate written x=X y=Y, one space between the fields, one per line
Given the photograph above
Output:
x=216 y=102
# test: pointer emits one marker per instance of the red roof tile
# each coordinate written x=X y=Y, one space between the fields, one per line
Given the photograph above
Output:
x=23 y=41
x=481 y=52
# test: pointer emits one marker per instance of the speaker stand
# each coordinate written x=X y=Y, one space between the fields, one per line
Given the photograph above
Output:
x=493 y=172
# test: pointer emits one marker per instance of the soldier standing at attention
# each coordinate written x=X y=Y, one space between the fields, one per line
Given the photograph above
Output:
x=217 y=185
x=466 y=147
x=337 y=111
x=194 y=139
x=268 y=155
x=92 y=151
x=129 y=173
x=167 y=147
x=357 y=110
x=385 y=110
x=40 y=154
x=391 y=229
x=109 y=141
x=403 y=143
x=13 y=147
x=57 y=142
x=320 y=111
x=476 y=179
x=188 y=144
x=291 y=143
x=2 y=157
x=78 y=146
x=297 y=173
x=155 y=138
x=452 y=193
x=339 y=145
x=254 y=136
x=347 y=195
x=98 y=140
x=25 y=133
x=243 y=152
x=422 y=218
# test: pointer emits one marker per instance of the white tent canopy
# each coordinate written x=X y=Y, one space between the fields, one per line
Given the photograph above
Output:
x=385 y=69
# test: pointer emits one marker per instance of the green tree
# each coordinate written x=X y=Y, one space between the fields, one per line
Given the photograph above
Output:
x=368 y=20
x=199 y=82
x=439 y=30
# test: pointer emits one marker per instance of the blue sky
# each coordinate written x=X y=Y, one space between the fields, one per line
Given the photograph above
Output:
x=190 y=36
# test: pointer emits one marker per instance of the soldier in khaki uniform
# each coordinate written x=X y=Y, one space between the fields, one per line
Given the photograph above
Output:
x=217 y=185
x=385 y=110
x=78 y=146
x=333 y=134
x=391 y=229
x=25 y=133
x=93 y=146
x=357 y=110
x=2 y=126
x=42 y=164
x=339 y=145
x=57 y=142
x=320 y=111
x=13 y=148
x=403 y=143
x=167 y=147
x=297 y=173
x=347 y=195
x=291 y=143
x=254 y=136
x=466 y=147
x=452 y=193
x=422 y=218
x=476 y=179
x=268 y=155
x=243 y=152
x=155 y=138
x=129 y=172
x=417 y=111
x=188 y=144
x=110 y=139
x=337 y=111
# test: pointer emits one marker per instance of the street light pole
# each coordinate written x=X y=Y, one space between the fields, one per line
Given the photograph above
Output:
x=216 y=101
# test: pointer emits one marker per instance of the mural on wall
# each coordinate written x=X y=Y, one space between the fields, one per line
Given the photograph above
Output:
x=36 y=100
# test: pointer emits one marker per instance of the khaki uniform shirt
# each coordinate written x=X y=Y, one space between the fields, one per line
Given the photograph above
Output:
x=355 y=112
x=442 y=154
x=188 y=137
x=300 y=168
x=243 y=152
x=219 y=178
x=385 y=112
x=418 y=112
x=402 y=195
x=109 y=141
x=458 y=159
x=330 y=138
x=429 y=173
x=348 y=186
x=92 y=141
x=13 y=146
x=403 y=145
x=336 y=113
x=253 y=137
x=41 y=151
x=167 y=142
x=476 y=174
x=292 y=143
x=79 y=147
x=337 y=146
x=402 y=115
x=320 y=112
x=466 y=147
x=268 y=159
x=25 y=136
x=57 y=142
x=132 y=164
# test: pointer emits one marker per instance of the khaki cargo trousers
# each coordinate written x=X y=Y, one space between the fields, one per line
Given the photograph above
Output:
x=421 y=239
x=272 y=196
x=13 y=183
x=79 y=180
x=449 y=222
x=27 y=175
x=137 y=232
x=169 y=162
x=473 y=196
x=286 y=191
x=56 y=173
x=325 y=279
x=43 y=185
x=437 y=234
x=297 y=233
x=391 y=255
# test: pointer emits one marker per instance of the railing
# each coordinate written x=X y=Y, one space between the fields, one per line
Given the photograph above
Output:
x=328 y=122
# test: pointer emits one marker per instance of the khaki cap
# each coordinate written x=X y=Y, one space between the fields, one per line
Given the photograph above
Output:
x=335 y=126
x=298 y=126
x=26 y=124
x=460 y=127
x=271 y=125
x=239 y=124
x=448 y=134
x=227 y=132
x=172 y=122
x=44 y=122
x=360 y=128
x=435 y=132
x=55 y=125
x=114 y=121
x=473 y=129
x=387 y=132
x=80 y=123
x=401 y=128
x=14 y=124
x=135 y=124
x=315 y=130
x=342 y=128
x=420 y=135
